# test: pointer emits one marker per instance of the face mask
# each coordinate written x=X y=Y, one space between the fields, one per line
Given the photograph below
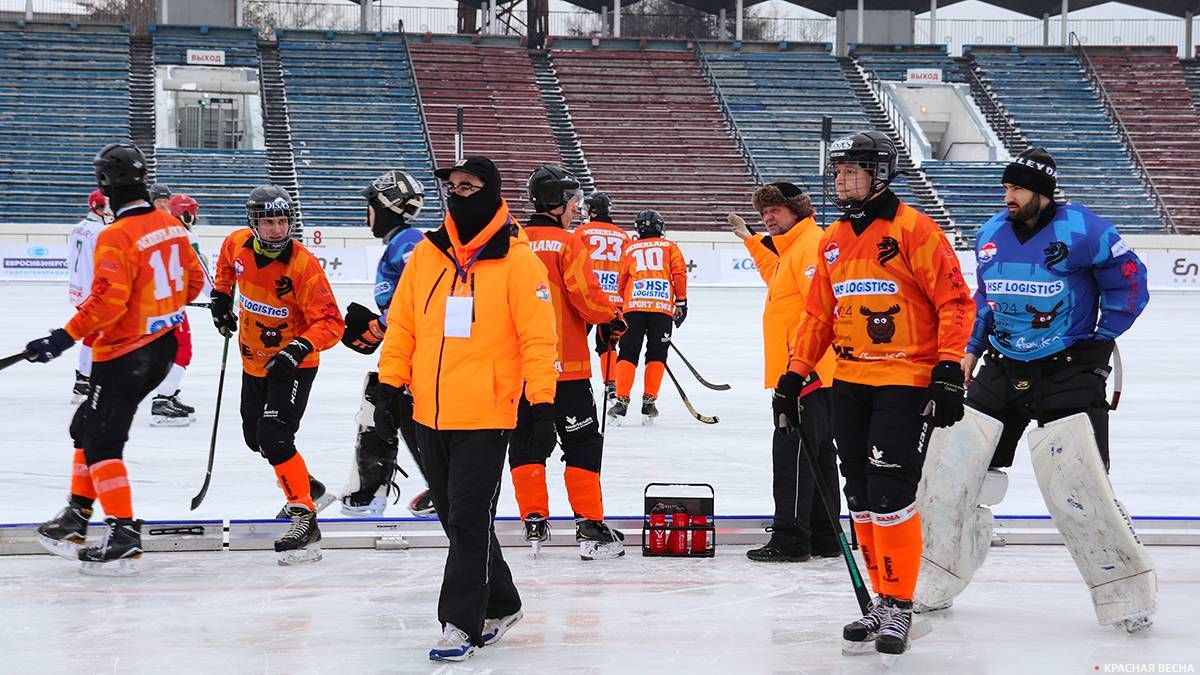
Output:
x=474 y=212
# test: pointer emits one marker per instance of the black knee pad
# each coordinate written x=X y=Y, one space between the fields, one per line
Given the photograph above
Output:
x=887 y=493
x=276 y=441
x=856 y=494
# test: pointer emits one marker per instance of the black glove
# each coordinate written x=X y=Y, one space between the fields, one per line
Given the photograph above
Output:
x=363 y=331
x=392 y=404
x=221 y=306
x=612 y=331
x=785 y=403
x=52 y=346
x=945 y=406
x=680 y=312
x=544 y=435
x=286 y=362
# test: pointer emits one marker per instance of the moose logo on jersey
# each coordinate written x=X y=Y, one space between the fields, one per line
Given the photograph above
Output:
x=888 y=248
x=881 y=327
x=1055 y=253
x=1043 y=319
x=271 y=336
x=283 y=286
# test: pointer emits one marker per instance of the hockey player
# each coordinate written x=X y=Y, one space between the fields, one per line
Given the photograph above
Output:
x=288 y=316
x=145 y=273
x=1057 y=286
x=160 y=196
x=889 y=296
x=786 y=259
x=653 y=285
x=166 y=409
x=607 y=242
x=469 y=326
x=578 y=300
x=394 y=200
x=81 y=249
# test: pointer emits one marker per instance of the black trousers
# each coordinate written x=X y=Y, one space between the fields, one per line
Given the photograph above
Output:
x=653 y=328
x=101 y=423
x=799 y=513
x=464 y=469
x=578 y=429
x=271 y=412
x=881 y=439
x=1048 y=389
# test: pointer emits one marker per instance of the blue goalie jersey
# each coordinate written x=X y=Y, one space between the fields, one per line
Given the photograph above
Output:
x=391 y=265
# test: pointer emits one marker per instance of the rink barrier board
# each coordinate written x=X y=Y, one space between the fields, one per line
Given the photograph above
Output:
x=404 y=533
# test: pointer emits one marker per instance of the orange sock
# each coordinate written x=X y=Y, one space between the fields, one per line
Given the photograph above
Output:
x=529 y=482
x=111 y=482
x=898 y=544
x=583 y=491
x=625 y=374
x=864 y=528
x=293 y=478
x=81 y=477
x=654 y=375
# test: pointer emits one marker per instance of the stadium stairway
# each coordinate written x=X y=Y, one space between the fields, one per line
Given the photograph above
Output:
x=142 y=113
x=1145 y=85
x=654 y=136
x=277 y=130
x=64 y=94
x=559 y=116
x=1191 y=75
x=353 y=113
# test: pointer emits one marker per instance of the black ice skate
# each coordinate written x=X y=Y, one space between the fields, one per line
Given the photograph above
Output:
x=300 y=543
x=64 y=534
x=83 y=388
x=618 y=409
x=598 y=540
x=858 y=637
x=168 y=411
x=317 y=492
x=649 y=409
x=610 y=392
x=422 y=505
x=118 y=551
x=537 y=531
x=893 y=631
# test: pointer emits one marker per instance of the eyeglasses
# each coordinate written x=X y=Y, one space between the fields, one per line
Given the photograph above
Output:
x=461 y=188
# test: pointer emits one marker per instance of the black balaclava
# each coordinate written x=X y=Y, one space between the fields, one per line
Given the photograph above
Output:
x=473 y=212
x=387 y=221
x=125 y=194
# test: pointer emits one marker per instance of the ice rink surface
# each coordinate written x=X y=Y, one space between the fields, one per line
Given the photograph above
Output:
x=368 y=611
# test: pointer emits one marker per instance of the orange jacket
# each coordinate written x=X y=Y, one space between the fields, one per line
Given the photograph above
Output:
x=891 y=300
x=606 y=242
x=575 y=293
x=653 y=276
x=472 y=382
x=787 y=263
x=145 y=273
x=281 y=299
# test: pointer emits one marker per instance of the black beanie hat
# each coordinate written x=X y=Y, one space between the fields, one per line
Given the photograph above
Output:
x=1033 y=170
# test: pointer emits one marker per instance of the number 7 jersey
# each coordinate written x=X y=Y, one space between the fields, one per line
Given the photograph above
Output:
x=653 y=276
x=606 y=242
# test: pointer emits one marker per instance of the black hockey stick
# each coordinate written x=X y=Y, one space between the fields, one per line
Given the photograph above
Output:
x=710 y=385
x=14 y=359
x=212 y=444
x=607 y=369
x=703 y=418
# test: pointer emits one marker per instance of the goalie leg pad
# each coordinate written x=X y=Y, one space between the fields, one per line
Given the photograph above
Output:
x=956 y=530
x=1093 y=524
x=374 y=458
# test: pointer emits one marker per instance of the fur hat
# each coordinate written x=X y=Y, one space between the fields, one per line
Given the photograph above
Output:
x=783 y=194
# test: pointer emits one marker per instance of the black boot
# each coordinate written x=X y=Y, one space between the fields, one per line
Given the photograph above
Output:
x=784 y=546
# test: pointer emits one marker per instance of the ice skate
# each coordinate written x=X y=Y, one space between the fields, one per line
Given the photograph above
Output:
x=494 y=629
x=610 y=392
x=455 y=645
x=598 y=540
x=317 y=492
x=649 y=410
x=1136 y=624
x=422 y=505
x=537 y=531
x=167 y=411
x=618 y=409
x=64 y=534
x=300 y=544
x=117 y=553
x=370 y=505
x=83 y=388
x=858 y=637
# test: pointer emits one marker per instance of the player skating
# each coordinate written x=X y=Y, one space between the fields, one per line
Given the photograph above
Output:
x=1057 y=286
x=890 y=298
x=81 y=250
x=394 y=200
x=145 y=273
x=288 y=316
x=607 y=242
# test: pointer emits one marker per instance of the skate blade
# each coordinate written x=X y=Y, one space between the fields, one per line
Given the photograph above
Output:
x=919 y=608
x=536 y=547
x=170 y=421
x=116 y=568
x=308 y=554
x=373 y=510
x=594 y=550
x=851 y=648
x=325 y=500
x=424 y=513
x=63 y=549
x=648 y=420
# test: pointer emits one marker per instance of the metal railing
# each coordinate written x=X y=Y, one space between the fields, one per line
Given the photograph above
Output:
x=412 y=70
x=893 y=113
x=954 y=33
x=727 y=114
x=1094 y=77
x=1010 y=134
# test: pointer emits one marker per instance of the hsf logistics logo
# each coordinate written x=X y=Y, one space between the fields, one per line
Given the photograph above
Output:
x=37 y=261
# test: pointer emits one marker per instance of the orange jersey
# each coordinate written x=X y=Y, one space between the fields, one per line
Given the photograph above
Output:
x=281 y=299
x=145 y=274
x=892 y=301
x=653 y=276
x=575 y=293
x=606 y=242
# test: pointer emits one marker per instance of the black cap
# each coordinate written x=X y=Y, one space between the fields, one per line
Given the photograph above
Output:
x=160 y=191
x=480 y=167
x=1033 y=170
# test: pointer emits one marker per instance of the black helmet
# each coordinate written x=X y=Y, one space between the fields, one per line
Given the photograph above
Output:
x=270 y=201
x=399 y=192
x=598 y=203
x=551 y=186
x=160 y=191
x=119 y=165
x=873 y=151
x=649 y=224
